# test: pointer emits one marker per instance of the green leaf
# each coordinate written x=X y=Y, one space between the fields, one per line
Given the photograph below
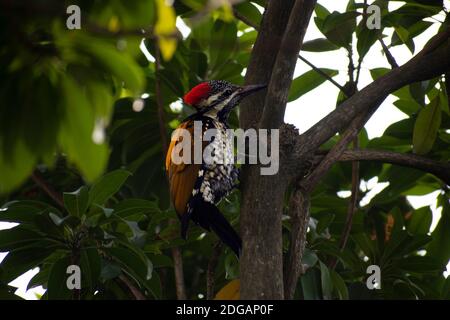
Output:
x=223 y=42
x=165 y=26
x=57 y=281
x=155 y=285
x=439 y=247
x=138 y=252
x=16 y=167
x=141 y=271
x=420 y=221
x=249 y=11
x=378 y=72
x=408 y=107
x=40 y=278
x=129 y=207
x=231 y=267
x=321 y=11
x=327 y=283
x=311 y=285
x=76 y=202
x=139 y=235
x=17 y=237
x=23 y=211
x=309 y=258
x=366 y=38
x=339 y=27
x=421 y=265
x=106 y=55
x=325 y=222
x=367 y=245
x=339 y=285
x=17 y=262
x=107 y=186
x=76 y=132
x=426 y=127
x=319 y=45
x=160 y=261
x=110 y=271
x=8 y=292
x=307 y=82
x=90 y=267
x=402 y=244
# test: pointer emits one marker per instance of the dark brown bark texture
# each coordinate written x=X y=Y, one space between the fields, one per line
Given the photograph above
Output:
x=272 y=62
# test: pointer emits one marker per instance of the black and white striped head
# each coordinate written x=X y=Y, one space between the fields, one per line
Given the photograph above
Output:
x=216 y=98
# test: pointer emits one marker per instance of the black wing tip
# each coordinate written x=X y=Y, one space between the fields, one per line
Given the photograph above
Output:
x=209 y=217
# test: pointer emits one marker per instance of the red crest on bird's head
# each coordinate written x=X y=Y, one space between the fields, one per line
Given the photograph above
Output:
x=197 y=93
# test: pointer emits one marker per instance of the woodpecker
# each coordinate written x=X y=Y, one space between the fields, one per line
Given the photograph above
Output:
x=197 y=188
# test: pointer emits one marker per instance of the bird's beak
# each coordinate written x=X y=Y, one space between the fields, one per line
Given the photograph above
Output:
x=246 y=90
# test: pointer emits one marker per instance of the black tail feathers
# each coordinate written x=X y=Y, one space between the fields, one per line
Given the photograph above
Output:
x=209 y=217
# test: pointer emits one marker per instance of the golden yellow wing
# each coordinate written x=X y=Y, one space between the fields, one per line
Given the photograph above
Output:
x=182 y=176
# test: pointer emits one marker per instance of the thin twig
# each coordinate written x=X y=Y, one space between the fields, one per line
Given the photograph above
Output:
x=439 y=169
x=316 y=69
x=211 y=270
x=352 y=207
x=133 y=289
x=323 y=74
x=159 y=101
x=176 y=252
x=351 y=65
x=47 y=188
x=361 y=58
x=178 y=271
x=447 y=87
x=390 y=58
x=283 y=69
x=244 y=19
x=311 y=181
x=428 y=63
x=147 y=33
x=299 y=212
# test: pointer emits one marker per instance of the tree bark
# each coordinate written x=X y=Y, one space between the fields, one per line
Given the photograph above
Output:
x=262 y=60
x=263 y=196
x=299 y=213
x=439 y=169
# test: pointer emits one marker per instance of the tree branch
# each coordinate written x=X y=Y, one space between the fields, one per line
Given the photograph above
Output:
x=176 y=252
x=447 y=87
x=159 y=101
x=262 y=60
x=352 y=206
x=311 y=181
x=244 y=19
x=211 y=269
x=316 y=69
x=427 y=64
x=133 y=289
x=48 y=189
x=323 y=74
x=283 y=70
x=262 y=242
x=437 y=168
x=390 y=58
x=299 y=212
